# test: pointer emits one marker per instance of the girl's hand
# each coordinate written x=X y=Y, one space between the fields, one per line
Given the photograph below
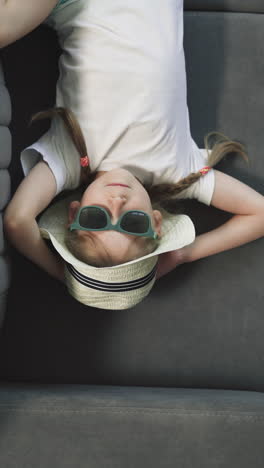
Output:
x=169 y=260
x=59 y=270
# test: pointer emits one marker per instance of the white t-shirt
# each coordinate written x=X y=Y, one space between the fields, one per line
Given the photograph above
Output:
x=122 y=72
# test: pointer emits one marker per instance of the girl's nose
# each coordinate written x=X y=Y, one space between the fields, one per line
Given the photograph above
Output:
x=116 y=204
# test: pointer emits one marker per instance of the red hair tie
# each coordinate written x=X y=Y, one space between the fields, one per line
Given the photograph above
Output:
x=84 y=161
x=204 y=170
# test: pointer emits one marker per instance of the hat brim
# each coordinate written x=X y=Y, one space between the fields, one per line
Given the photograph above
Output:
x=121 y=286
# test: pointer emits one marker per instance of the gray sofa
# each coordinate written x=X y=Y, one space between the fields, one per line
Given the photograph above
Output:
x=178 y=380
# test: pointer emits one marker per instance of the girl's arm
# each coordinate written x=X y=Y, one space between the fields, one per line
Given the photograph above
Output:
x=32 y=196
x=247 y=225
x=19 y=17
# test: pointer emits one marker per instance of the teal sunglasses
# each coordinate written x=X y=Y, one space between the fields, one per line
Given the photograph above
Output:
x=96 y=218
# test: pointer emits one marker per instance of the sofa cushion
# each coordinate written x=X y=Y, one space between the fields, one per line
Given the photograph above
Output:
x=5 y=108
x=202 y=324
x=4 y=187
x=5 y=150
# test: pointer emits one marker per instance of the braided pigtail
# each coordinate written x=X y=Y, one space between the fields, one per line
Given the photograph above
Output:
x=164 y=193
x=73 y=127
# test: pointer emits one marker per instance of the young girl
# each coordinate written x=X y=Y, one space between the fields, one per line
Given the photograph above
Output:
x=120 y=129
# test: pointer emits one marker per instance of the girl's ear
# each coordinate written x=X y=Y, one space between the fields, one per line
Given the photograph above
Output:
x=73 y=208
x=157 y=221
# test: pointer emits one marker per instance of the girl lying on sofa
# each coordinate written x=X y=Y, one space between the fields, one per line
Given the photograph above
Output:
x=119 y=133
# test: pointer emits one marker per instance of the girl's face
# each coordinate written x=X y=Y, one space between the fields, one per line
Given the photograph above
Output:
x=116 y=199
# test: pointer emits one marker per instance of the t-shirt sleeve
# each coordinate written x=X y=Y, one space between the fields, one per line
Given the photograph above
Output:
x=39 y=151
x=56 y=148
x=203 y=189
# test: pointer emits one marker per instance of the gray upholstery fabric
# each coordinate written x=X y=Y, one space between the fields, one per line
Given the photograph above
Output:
x=178 y=380
x=252 y=6
x=2 y=243
x=117 y=427
x=5 y=138
x=5 y=158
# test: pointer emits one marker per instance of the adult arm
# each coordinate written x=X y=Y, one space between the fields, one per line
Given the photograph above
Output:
x=245 y=226
x=19 y=17
x=32 y=196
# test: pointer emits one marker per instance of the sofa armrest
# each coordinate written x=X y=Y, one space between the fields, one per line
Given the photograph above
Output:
x=5 y=158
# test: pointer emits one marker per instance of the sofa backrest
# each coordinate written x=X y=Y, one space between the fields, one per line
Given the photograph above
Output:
x=254 y=6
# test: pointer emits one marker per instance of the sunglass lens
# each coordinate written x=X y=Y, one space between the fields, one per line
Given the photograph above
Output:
x=92 y=218
x=135 y=221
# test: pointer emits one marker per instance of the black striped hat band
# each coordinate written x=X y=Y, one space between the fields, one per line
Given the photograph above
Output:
x=112 y=287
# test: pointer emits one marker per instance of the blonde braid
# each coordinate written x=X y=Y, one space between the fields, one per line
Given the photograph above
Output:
x=165 y=192
x=73 y=127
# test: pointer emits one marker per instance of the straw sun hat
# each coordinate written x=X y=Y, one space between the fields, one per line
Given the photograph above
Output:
x=117 y=287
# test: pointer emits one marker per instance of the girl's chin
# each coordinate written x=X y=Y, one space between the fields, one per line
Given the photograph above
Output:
x=118 y=170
